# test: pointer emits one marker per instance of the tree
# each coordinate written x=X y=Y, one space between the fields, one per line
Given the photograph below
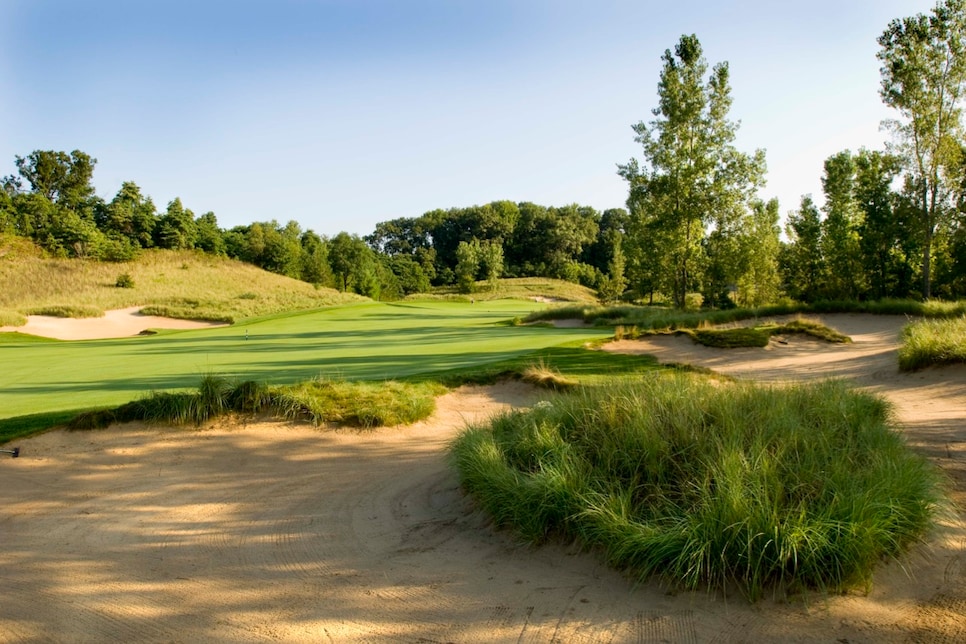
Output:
x=760 y=282
x=176 y=229
x=923 y=77
x=210 y=237
x=352 y=263
x=491 y=262
x=62 y=178
x=693 y=177
x=886 y=241
x=129 y=215
x=467 y=265
x=802 y=262
x=612 y=286
x=840 y=242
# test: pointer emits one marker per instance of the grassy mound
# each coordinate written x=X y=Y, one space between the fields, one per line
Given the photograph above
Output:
x=524 y=288
x=932 y=343
x=703 y=483
x=184 y=284
x=358 y=404
x=659 y=317
x=758 y=336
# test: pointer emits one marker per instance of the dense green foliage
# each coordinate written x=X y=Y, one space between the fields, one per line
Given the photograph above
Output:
x=690 y=199
x=803 y=487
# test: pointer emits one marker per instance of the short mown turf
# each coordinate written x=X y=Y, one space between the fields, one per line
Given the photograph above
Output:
x=372 y=341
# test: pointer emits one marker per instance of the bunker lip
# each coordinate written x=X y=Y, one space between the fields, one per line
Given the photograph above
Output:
x=119 y=323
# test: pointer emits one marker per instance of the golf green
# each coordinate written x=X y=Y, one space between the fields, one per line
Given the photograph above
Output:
x=364 y=341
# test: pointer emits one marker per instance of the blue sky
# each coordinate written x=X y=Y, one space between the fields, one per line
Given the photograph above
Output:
x=343 y=113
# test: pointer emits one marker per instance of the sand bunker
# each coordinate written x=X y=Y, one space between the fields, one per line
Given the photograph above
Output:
x=115 y=324
x=273 y=531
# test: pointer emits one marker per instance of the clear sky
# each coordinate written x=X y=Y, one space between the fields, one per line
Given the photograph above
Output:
x=343 y=113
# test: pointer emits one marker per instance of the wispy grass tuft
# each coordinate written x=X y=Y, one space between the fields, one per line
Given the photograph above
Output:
x=709 y=483
x=932 y=343
x=543 y=375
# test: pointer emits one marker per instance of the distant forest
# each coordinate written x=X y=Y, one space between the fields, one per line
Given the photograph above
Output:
x=694 y=232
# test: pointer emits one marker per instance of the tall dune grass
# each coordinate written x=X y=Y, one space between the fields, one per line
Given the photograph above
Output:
x=709 y=484
x=656 y=317
x=933 y=342
x=319 y=401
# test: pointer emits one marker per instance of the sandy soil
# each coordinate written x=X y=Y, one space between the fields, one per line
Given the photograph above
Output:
x=278 y=532
x=115 y=324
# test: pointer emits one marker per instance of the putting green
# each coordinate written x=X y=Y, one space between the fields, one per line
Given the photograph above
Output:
x=363 y=341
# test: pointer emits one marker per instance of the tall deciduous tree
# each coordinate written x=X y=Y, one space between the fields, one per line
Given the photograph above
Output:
x=693 y=177
x=923 y=77
x=802 y=262
x=845 y=275
x=62 y=178
x=760 y=282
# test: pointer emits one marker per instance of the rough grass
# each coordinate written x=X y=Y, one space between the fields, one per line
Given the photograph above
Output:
x=67 y=311
x=184 y=284
x=759 y=336
x=543 y=375
x=358 y=404
x=932 y=343
x=532 y=288
x=657 y=317
x=709 y=484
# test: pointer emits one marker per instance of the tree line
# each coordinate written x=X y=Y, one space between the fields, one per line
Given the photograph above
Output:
x=51 y=200
x=694 y=232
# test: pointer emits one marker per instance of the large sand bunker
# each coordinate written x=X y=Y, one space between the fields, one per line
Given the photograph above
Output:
x=278 y=532
x=114 y=324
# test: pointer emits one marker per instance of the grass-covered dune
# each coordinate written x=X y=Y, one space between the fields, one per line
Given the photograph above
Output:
x=660 y=317
x=933 y=343
x=183 y=284
x=708 y=483
x=366 y=341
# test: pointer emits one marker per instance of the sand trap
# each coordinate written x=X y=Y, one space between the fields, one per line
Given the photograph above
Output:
x=273 y=531
x=119 y=323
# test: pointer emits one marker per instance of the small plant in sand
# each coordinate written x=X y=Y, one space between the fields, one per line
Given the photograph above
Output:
x=542 y=375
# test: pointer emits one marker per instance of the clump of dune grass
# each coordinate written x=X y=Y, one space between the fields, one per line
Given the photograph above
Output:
x=932 y=342
x=543 y=375
x=359 y=404
x=709 y=484
x=759 y=336
x=67 y=311
x=813 y=328
x=11 y=318
x=730 y=338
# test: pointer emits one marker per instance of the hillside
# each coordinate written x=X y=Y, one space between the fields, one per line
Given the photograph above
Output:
x=185 y=284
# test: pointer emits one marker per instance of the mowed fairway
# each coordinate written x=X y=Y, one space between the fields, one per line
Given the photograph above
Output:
x=362 y=341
